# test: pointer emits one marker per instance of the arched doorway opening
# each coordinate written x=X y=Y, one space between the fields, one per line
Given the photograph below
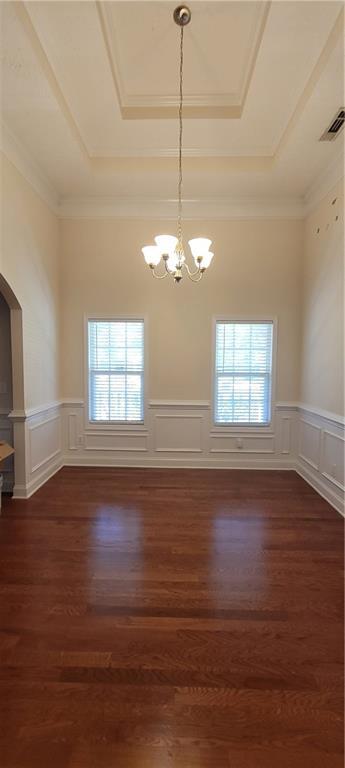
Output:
x=12 y=383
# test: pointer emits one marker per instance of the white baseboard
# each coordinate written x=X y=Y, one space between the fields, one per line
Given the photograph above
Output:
x=178 y=463
x=25 y=491
x=323 y=489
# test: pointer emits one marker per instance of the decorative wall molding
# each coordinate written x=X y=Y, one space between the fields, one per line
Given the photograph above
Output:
x=45 y=447
x=17 y=416
x=309 y=443
x=39 y=409
x=242 y=444
x=311 y=409
x=320 y=453
x=43 y=440
x=45 y=408
x=133 y=442
x=285 y=437
x=332 y=458
x=320 y=413
x=182 y=434
x=179 y=433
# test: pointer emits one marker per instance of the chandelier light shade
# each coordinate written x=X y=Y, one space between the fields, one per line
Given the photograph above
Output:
x=169 y=250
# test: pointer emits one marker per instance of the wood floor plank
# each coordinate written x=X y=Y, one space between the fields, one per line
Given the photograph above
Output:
x=171 y=619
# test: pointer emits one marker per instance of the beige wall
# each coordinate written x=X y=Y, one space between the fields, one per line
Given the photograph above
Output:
x=29 y=263
x=322 y=352
x=256 y=272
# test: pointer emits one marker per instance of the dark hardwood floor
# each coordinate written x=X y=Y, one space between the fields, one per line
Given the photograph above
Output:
x=171 y=619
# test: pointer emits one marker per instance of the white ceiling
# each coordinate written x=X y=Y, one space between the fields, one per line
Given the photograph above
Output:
x=89 y=95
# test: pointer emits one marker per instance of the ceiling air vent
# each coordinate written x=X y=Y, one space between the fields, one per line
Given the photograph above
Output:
x=335 y=127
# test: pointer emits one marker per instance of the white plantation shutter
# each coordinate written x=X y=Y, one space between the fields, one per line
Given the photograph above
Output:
x=116 y=370
x=243 y=373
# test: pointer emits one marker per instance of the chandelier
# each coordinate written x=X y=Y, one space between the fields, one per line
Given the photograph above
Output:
x=168 y=247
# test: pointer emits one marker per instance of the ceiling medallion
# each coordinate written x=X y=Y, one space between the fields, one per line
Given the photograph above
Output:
x=168 y=247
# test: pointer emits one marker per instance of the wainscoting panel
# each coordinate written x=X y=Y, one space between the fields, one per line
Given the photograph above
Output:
x=115 y=441
x=285 y=435
x=43 y=446
x=320 y=455
x=72 y=426
x=178 y=432
x=232 y=443
x=332 y=459
x=45 y=441
x=182 y=434
x=309 y=443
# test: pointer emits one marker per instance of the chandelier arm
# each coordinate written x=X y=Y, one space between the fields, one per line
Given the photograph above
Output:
x=159 y=277
x=167 y=270
x=195 y=280
x=190 y=273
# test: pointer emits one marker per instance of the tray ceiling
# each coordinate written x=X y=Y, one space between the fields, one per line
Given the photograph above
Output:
x=89 y=90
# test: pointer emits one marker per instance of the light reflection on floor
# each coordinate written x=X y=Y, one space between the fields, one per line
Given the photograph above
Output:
x=228 y=573
x=116 y=546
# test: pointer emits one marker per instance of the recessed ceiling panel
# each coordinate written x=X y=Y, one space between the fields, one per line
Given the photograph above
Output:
x=221 y=43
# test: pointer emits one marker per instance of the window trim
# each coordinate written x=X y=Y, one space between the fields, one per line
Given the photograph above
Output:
x=244 y=427
x=113 y=426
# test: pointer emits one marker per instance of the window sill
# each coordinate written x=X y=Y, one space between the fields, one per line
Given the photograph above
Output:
x=232 y=428
x=116 y=426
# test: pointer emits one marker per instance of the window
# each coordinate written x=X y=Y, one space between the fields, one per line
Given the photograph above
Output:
x=243 y=373
x=116 y=370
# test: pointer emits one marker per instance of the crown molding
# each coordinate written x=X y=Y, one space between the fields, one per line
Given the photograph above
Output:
x=212 y=208
x=325 y=181
x=263 y=154
x=17 y=154
x=151 y=208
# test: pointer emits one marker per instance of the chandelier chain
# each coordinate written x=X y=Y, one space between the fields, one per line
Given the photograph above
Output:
x=169 y=248
x=179 y=233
